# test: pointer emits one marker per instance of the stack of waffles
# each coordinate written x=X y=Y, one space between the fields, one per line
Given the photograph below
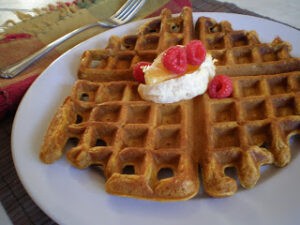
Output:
x=155 y=151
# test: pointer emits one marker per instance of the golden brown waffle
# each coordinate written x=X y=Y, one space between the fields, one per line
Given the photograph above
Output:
x=250 y=129
x=153 y=151
x=116 y=60
x=240 y=52
x=144 y=148
x=136 y=141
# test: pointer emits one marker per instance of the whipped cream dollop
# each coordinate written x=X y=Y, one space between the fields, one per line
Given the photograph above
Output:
x=183 y=87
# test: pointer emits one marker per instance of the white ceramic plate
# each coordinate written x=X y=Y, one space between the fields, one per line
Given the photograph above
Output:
x=72 y=196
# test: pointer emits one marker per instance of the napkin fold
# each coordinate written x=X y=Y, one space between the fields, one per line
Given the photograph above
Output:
x=51 y=22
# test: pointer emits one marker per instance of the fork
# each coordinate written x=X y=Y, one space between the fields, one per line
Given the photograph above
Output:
x=121 y=16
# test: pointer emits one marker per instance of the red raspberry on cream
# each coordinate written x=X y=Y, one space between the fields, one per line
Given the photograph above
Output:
x=179 y=73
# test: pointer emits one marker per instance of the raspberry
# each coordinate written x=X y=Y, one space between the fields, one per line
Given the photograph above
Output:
x=195 y=52
x=220 y=87
x=174 y=60
x=138 y=72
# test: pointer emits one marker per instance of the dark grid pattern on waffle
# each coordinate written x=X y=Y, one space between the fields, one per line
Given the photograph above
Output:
x=122 y=133
x=102 y=62
x=88 y=94
x=242 y=49
x=115 y=62
x=253 y=125
x=158 y=35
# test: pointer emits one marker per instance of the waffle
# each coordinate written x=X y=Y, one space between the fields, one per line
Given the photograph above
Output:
x=137 y=143
x=154 y=151
x=144 y=148
x=248 y=130
x=116 y=60
x=240 y=52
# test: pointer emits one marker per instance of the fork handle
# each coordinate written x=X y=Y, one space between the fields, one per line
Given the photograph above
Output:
x=16 y=68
